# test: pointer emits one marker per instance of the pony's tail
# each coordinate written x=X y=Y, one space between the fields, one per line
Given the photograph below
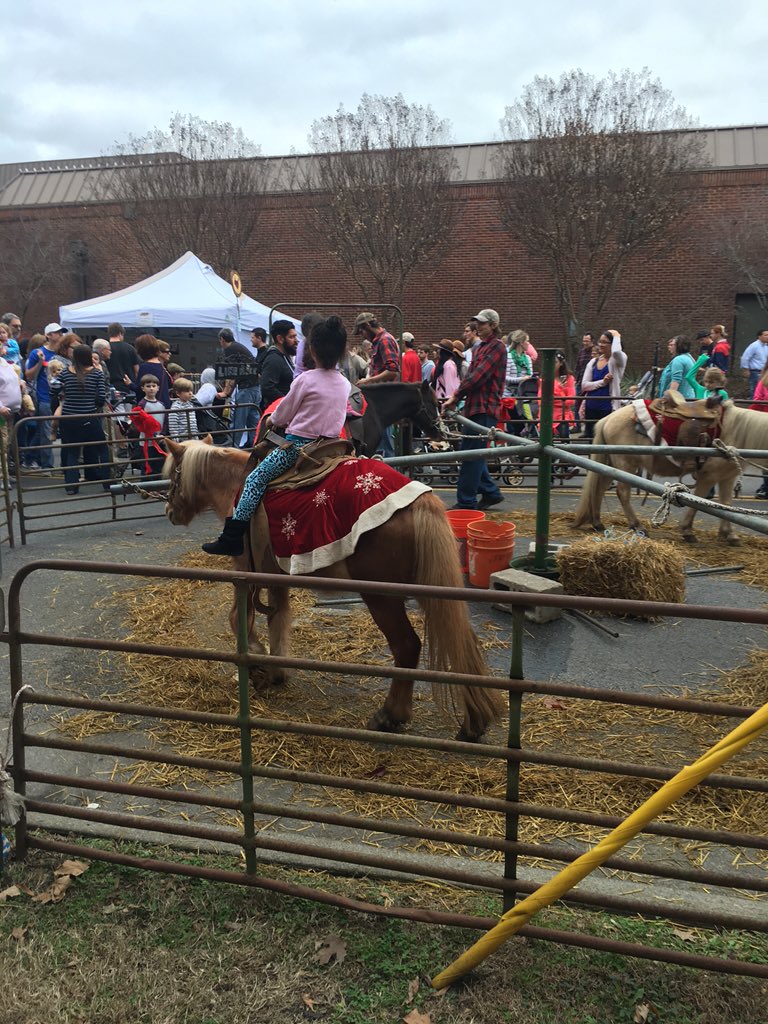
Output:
x=450 y=639
x=591 y=498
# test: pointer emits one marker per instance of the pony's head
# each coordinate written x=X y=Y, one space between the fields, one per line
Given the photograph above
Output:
x=201 y=477
x=427 y=418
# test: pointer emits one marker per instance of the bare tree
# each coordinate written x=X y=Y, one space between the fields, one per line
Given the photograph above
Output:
x=593 y=172
x=743 y=247
x=193 y=187
x=378 y=191
x=34 y=259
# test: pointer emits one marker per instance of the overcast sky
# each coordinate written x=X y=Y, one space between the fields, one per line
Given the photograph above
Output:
x=78 y=77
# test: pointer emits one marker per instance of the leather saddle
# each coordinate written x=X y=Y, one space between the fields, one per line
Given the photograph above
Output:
x=316 y=460
x=698 y=421
x=673 y=404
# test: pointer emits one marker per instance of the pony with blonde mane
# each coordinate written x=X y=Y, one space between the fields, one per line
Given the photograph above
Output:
x=416 y=546
x=740 y=428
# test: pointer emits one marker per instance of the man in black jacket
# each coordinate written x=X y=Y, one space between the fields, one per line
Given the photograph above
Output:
x=277 y=365
x=247 y=379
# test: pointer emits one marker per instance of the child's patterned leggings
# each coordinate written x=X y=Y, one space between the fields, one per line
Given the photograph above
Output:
x=267 y=470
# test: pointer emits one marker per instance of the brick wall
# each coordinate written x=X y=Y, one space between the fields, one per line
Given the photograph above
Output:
x=680 y=290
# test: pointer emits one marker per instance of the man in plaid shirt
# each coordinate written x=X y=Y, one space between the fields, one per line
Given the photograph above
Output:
x=384 y=366
x=481 y=391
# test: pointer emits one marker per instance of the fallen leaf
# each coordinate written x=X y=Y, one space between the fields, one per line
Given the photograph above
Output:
x=553 y=704
x=9 y=893
x=59 y=887
x=19 y=933
x=233 y=926
x=377 y=772
x=684 y=934
x=308 y=1001
x=440 y=993
x=641 y=1013
x=56 y=892
x=26 y=890
x=413 y=988
x=414 y=1017
x=71 y=867
x=329 y=947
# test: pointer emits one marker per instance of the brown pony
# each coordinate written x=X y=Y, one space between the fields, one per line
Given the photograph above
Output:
x=416 y=546
x=740 y=428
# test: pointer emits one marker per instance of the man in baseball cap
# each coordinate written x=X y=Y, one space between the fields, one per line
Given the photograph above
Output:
x=487 y=316
x=384 y=366
x=481 y=389
x=54 y=328
x=37 y=373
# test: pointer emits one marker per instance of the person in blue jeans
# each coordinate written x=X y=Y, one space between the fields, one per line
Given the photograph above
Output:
x=36 y=373
x=481 y=390
x=248 y=395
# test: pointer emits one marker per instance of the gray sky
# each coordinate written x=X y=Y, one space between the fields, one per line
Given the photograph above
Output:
x=80 y=76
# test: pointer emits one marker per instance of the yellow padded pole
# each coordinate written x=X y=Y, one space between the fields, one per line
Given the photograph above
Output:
x=571 y=875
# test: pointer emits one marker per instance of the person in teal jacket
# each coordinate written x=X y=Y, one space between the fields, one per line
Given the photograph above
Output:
x=673 y=376
x=712 y=382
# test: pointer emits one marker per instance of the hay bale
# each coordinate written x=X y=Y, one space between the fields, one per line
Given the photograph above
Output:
x=631 y=568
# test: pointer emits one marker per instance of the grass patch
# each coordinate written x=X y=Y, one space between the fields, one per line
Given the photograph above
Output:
x=137 y=947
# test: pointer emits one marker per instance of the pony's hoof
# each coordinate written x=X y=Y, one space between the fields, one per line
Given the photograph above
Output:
x=278 y=679
x=259 y=681
x=598 y=527
x=383 y=722
x=732 y=542
x=465 y=737
x=690 y=538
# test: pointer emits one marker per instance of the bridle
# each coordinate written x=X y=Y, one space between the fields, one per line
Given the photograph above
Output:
x=427 y=417
x=174 y=481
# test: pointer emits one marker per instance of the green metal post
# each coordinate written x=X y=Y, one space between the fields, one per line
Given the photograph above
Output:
x=512 y=819
x=546 y=414
x=244 y=714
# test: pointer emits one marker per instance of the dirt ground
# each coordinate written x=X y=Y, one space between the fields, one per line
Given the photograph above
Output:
x=672 y=656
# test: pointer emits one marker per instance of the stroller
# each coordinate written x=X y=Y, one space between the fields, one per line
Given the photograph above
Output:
x=521 y=410
x=642 y=389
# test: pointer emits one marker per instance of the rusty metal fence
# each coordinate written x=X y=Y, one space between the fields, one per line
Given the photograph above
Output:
x=505 y=878
x=44 y=500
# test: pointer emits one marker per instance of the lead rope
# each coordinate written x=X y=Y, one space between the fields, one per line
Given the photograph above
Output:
x=154 y=495
x=673 y=493
x=11 y=803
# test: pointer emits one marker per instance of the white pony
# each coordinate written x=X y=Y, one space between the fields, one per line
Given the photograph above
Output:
x=740 y=428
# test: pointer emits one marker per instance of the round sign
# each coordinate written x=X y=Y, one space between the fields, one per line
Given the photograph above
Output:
x=237 y=284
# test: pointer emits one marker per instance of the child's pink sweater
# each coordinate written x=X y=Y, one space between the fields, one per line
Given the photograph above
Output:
x=316 y=405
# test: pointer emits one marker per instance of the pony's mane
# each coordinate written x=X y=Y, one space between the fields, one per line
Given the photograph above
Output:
x=205 y=468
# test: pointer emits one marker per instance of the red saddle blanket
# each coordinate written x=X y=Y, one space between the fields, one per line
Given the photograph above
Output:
x=312 y=527
x=670 y=425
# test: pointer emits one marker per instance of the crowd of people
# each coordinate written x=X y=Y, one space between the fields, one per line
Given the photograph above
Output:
x=491 y=376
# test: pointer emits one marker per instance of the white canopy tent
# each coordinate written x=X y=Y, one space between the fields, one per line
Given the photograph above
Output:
x=188 y=294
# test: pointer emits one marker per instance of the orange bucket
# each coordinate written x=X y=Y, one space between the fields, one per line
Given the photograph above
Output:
x=460 y=519
x=490 y=547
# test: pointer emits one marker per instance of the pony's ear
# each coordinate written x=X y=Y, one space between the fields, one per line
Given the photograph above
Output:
x=207 y=439
x=174 y=447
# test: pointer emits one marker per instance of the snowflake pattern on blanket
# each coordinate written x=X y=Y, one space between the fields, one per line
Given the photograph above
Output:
x=313 y=527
